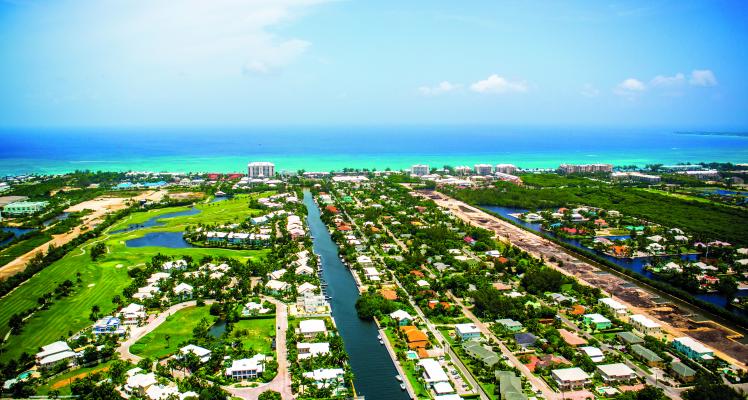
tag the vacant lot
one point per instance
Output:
(255, 333)
(177, 327)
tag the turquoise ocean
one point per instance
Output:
(24, 151)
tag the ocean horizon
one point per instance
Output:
(52, 151)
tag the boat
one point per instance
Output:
(379, 337)
(402, 386)
(381, 341)
(399, 378)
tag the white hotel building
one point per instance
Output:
(261, 169)
(419, 170)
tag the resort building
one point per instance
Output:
(419, 170)
(246, 368)
(635, 176)
(645, 325)
(570, 378)
(108, 325)
(483, 169)
(133, 314)
(55, 353)
(310, 328)
(463, 170)
(467, 331)
(616, 372)
(260, 169)
(693, 349)
(24, 207)
(510, 169)
(584, 168)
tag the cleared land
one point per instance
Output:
(103, 279)
(255, 333)
(179, 329)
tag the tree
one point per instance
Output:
(97, 251)
(269, 395)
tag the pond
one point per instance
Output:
(217, 329)
(634, 264)
(155, 220)
(61, 217)
(17, 232)
(172, 240)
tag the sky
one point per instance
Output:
(72, 63)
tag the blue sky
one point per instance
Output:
(679, 64)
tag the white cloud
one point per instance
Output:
(703, 77)
(275, 58)
(442, 87)
(498, 84)
(630, 88)
(589, 90)
(668, 81)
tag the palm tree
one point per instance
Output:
(167, 338)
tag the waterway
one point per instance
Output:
(17, 232)
(172, 240)
(371, 363)
(635, 264)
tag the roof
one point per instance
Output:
(644, 321)
(401, 315)
(323, 374)
(592, 351)
(245, 364)
(645, 353)
(443, 388)
(597, 318)
(414, 334)
(525, 338)
(433, 371)
(570, 374)
(196, 350)
(570, 338)
(694, 345)
(615, 370)
(630, 337)
(52, 348)
(463, 329)
(312, 326)
(682, 369)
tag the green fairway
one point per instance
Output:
(103, 279)
(255, 333)
(179, 329)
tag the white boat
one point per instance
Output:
(402, 386)
(399, 378)
(381, 341)
(379, 337)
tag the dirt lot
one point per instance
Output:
(676, 321)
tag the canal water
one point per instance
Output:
(634, 264)
(371, 363)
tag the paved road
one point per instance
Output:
(282, 381)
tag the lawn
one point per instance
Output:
(62, 382)
(18, 249)
(178, 326)
(256, 333)
(101, 280)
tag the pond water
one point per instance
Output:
(155, 220)
(217, 329)
(172, 240)
(374, 372)
(634, 264)
(62, 216)
(16, 233)
(219, 198)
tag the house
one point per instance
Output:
(693, 349)
(613, 306)
(597, 321)
(177, 265)
(108, 325)
(644, 325)
(616, 372)
(277, 274)
(326, 377)
(371, 274)
(133, 314)
(252, 308)
(525, 339)
(55, 353)
(510, 324)
(432, 371)
(467, 331)
(246, 368)
(571, 338)
(402, 317)
(137, 384)
(276, 287)
(304, 270)
(422, 283)
(629, 338)
(202, 353)
(648, 356)
(415, 338)
(510, 386)
(570, 378)
(310, 328)
(183, 291)
(306, 287)
(683, 372)
(307, 350)
(595, 354)
(312, 303)
(364, 261)
(476, 350)
(146, 292)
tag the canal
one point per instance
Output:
(371, 363)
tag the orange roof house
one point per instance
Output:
(388, 294)
(571, 338)
(344, 228)
(331, 208)
(619, 250)
(417, 273)
(577, 309)
(415, 337)
(432, 304)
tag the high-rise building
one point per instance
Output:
(483, 169)
(463, 170)
(419, 170)
(585, 168)
(510, 169)
(261, 169)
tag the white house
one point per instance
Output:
(133, 314)
(326, 377)
(432, 371)
(568, 378)
(371, 274)
(54, 353)
(277, 286)
(183, 291)
(467, 331)
(304, 270)
(615, 307)
(310, 328)
(202, 353)
(595, 354)
(246, 368)
(616, 372)
(138, 384)
(306, 287)
(177, 265)
(307, 350)
(644, 325)
(277, 274)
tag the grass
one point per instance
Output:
(18, 249)
(256, 333)
(178, 326)
(62, 382)
(101, 280)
